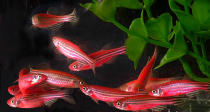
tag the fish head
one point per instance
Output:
(56, 41)
(35, 20)
(120, 105)
(78, 66)
(86, 89)
(13, 102)
(156, 92)
(13, 90)
(31, 79)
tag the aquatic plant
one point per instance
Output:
(192, 24)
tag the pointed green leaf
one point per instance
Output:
(105, 10)
(201, 11)
(204, 68)
(135, 45)
(204, 34)
(134, 49)
(159, 28)
(178, 49)
(131, 4)
(148, 3)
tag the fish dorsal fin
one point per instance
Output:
(23, 72)
(54, 29)
(53, 10)
(39, 66)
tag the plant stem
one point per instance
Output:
(189, 72)
(149, 14)
(186, 7)
(155, 42)
(203, 49)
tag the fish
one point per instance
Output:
(177, 87)
(140, 83)
(31, 83)
(106, 94)
(38, 99)
(101, 57)
(72, 51)
(14, 89)
(46, 20)
(59, 79)
(144, 102)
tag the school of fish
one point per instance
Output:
(42, 87)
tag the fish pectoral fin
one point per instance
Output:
(51, 102)
(109, 103)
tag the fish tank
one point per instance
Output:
(105, 55)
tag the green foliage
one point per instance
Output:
(135, 45)
(160, 27)
(160, 31)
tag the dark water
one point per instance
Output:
(22, 46)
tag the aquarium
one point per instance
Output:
(105, 55)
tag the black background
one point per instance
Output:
(23, 46)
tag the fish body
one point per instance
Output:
(142, 102)
(34, 100)
(144, 76)
(44, 20)
(72, 51)
(105, 93)
(59, 78)
(177, 87)
(101, 57)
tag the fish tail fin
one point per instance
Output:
(74, 17)
(68, 96)
(94, 69)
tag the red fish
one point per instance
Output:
(101, 57)
(140, 83)
(177, 87)
(106, 94)
(141, 102)
(14, 89)
(59, 78)
(31, 83)
(72, 51)
(44, 20)
(37, 100)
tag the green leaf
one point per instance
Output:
(160, 28)
(135, 45)
(134, 49)
(182, 2)
(178, 49)
(188, 22)
(148, 3)
(201, 11)
(204, 68)
(105, 10)
(131, 4)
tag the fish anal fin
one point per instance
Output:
(192, 94)
(95, 100)
(69, 99)
(158, 108)
(51, 102)
(54, 29)
(74, 18)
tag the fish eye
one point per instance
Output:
(74, 66)
(118, 103)
(81, 82)
(84, 88)
(154, 91)
(13, 89)
(12, 102)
